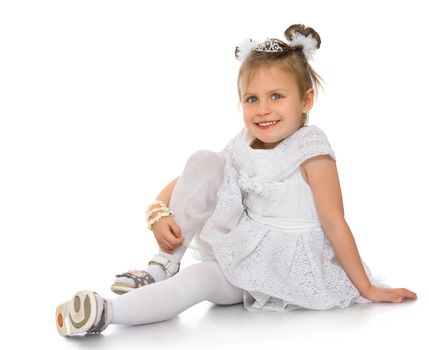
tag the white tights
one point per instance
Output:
(165, 299)
(198, 185)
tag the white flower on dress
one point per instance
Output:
(253, 184)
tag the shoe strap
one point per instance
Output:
(106, 318)
(140, 278)
(168, 266)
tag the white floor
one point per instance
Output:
(206, 326)
(28, 321)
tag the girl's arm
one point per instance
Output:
(166, 193)
(167, 232)
(322, 177)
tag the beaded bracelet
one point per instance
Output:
(164, 211)
(149, 212)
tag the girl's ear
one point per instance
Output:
(308, 100)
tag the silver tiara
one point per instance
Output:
(308, 43)
(268, 46)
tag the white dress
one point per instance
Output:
(252, 212)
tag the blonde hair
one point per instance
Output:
(291, 60)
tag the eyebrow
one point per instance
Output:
(271, 91)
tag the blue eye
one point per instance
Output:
(275, 94)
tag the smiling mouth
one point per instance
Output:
(266, 126)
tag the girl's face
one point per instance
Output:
(273, 95)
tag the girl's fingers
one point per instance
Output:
(408, 294)
(166, 249)
(178, 242)
(393, 295)
(175, 241)
(401, 293)
(175, 229)
(167, 244)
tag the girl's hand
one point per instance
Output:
(392, 295)
(167, 234)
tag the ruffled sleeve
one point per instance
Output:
(309, 142)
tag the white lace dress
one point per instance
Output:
(252, 211)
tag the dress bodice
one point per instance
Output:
(270, 180)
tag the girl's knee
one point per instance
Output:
(205, 275)
(206, 158)
(208, 270)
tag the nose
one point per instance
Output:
(263, 108)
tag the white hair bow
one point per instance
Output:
(243, 49)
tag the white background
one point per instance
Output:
(101, 104)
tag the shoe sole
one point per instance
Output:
(121, 289)
(77, 315)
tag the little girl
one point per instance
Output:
(266, 213)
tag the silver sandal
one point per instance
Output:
(140, 278)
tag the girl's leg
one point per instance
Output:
(192, 202)
(194, 197)
(166, 299)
